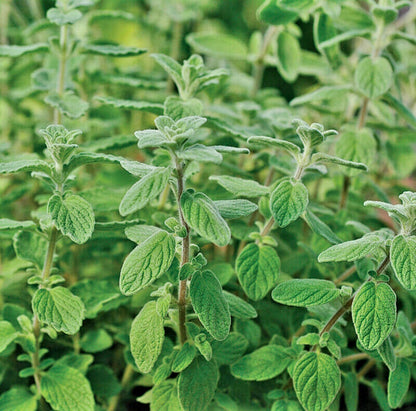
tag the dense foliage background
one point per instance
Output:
(284, 117)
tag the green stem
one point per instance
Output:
(60, 85)
(125, 379)
(353, 357)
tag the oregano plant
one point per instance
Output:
(207, 205)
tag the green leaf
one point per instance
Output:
(18, 399)
(380, 395)
(177, 108)
(387, 354)
(66, 389)
(403, 260)
(73, 216)
(235, 208)
(288, 56)
(218, 45)
(59, 308)
(197, 385)
(96, 341)
(17, 51)
(321, 94)
(31, 247)
(184, 357)
(374, 314)
(61, 17)
(373, 76)
(351, 391)
(352, 250)
(103, 381)
(401, 109)
(140, 233)
(317, 380)
(114, 50)
(328, 159)
(201, 153)
(7, 224)
(7, 335)
(231, 349)
(305, 292)
(81, 159)
(288, 202)
(165, 397)
(203, 216)
(281, 12)
(69, 104)
(172, 67)
(146, 337)
(150, 107)
(145, 190)
(398, 384)
(275, 142)
(19, 166)
(257, 268)
(320, 228)
(358, 146)
(241, 187)
(210, 304)
(239, 308)
(263, 364)
(147, 262)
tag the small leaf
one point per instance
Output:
(18, 399)
(30, 247)
(7, 224)
(374, 314)
(172, 67)
(328, 159)
(114, 50)
(398, 384)
(59, 308)
(288, 202)
(61, 17)
(165, 397)
(147, 262)
(96, 341)
(373, 76)
(231, 349)
(69, 104)
(201, 153)
(150, 138)
(403, 260)
(25, 166)
(351, 391)
(203, 216)
(305, 292)
(235, 208)
(257, 268)
(65, 388)
(81, 159)
(288, 56)
(239, 308)
(146, 337)
(147, 188)
(210, 304)
(263, 364)
(317, 380)
(275, 142)
(150, 107)
(17, 51)
(197, 385)
(184, 357)
(73, 216)
(387, 354)
(320, 228)
(7, 335)
(241, 187)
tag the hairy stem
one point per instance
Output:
(60, 84)
(353, 357)
(184, 258)
(125, 380)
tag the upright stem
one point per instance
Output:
(175, 50)
(184, 258)
(60, 85)
(47, 266)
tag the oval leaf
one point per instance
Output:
(403, 260)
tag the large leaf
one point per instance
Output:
(374, 314)
(263, 364)
(203, 216)
(197, 385)
(403, 260)
(288, 202)
(398, 384)
(165, 397)
(25, 166)
(147, 262)
(18, 399)
(59, 308)
(317, 380)
(147, 188)
(73, 216)
(66, 389)
(146, 337)
(257, 267)
(231, 349)
(210, 304)
(7, 224)
(305, 292)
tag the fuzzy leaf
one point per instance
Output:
(73, 216)
(66, 388)
(241, 187)
(403, 260)
(398, 384)
(7, 224)
(218, 44)
(288, 202)
(210, 304)
(374, 314)
(328, 159)
(150, 107)
(235, 208)
(147, 262)
(387, 354)
(146, 337)
(145, 190)
(114, 50)
(18, 399)
(17, 51)
(231, 349)
(305, 292)
(263, 364)
(239, 308)
(317, 380)
(31, 247)
(59, 308)
(288, 56)
(69, 104)
(197, 385)
(7, 334)
(320, 228)
(257, 268)
(275, 142)
(201, 153)
(203, 216)
(19, 166)
(184, 357)
(165, 397)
